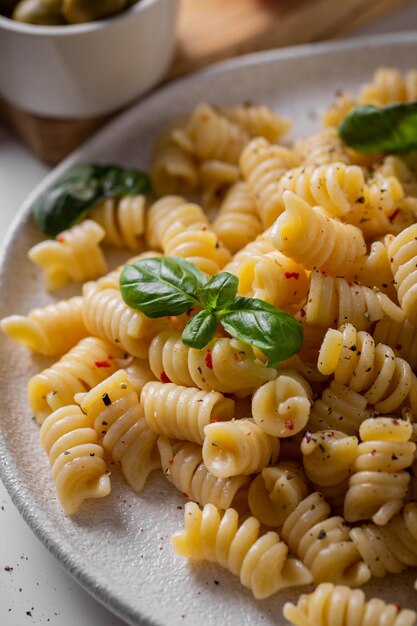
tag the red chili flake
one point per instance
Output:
(398, 607)
(164, 378)
(101, 364)
(209, 360)
(295, 275)
(170, 461)
(393, 215)
(185, 494)
(302, 313)
(110, 357)
(214, 421)
(398, 346)
(60, 239)
(289, 424)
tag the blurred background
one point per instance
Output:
(33, 587)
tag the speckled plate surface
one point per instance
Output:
(118, 548)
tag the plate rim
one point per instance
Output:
(34, 516)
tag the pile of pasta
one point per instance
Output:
(300, 473)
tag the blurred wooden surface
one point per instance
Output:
(209, 31)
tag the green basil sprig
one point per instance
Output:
(69, 199)
(381, 129)
(170, 286)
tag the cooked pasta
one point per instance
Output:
(51, 330)
(328, 457)
(225, 365)
(336, 187)
(307, 235)
(323, 148)
(75, 255)
(262, 562)
(216, 178)
(260, 121)
(281, 407)
(83, 367)
(238, 448)
(390, 548)
(182, 464)
(166, 212)
(339, 408)
(113, 408)
(331, 605)
(322, 543)
(263, 165)
(183, 412)
(276, 491)
(76, 458)
(237, 222)
(385, 380)
(337, 111)
(106, 315)
(378, 485)
(389, 87)
(401, 337)
(123, 220)
(402, 250)
(374, 270)
(335, 301)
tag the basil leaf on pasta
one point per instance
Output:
(117, 181)
(274, 332)
(392, 128)
(220, 290)
(200, 330)
(161, 286)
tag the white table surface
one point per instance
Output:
(34, 589)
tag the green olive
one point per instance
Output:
(79, 11)
(46, 12)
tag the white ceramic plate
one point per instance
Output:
(118, 548)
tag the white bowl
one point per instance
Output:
(86, 69)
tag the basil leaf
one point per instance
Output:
(71, 197)
(161, 286)
(385, 129)
(220, 290)
(117, 181)
(274, 332)
(200, 330)
(67, 201)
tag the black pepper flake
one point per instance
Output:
(29, 613)
(216, 582)
(8, 568)
(322, 534)
(67, 452)
(106, 399)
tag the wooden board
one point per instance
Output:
(209, 31)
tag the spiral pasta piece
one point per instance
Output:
(389, 87)
(310, 237)
(259, 121)
(323, 148)
(379, 484)
(374, 270)
(267, 274)
(402, 250)
(262, 563)
(322, 543)
(331, 605)
(83, 367)
(113, 408)
(182, 464)
(339, 408)
(385, 380)
(400, 336)
(78, 468)
(262, 166)
(391, 548)
(51, 330)
(106, 315)
(281, 407)
(183, 412)
(276, 492)
(172, 169)
(336, 187)
(123, 220)
(334, 301)
(237, 221)
(238, 448)
(225, 365)
(75, 255)
(168, 211)
(213, 136)
(337, 111)
(216, 178)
